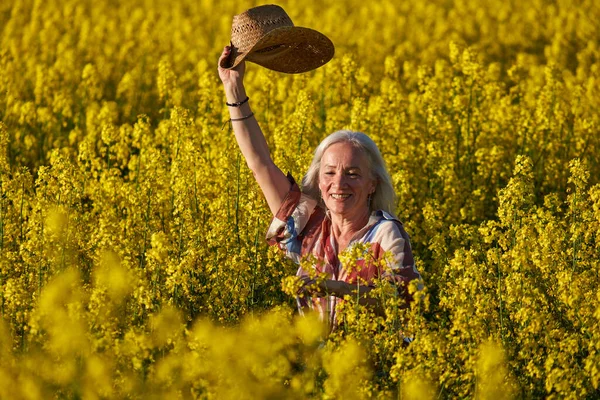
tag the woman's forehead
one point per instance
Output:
(344, 154)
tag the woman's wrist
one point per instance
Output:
(235, 93)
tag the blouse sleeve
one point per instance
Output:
(290, 220)
(392, 238)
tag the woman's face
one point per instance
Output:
(345, 180)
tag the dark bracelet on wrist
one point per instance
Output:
(230, 120)
(242, 118)
(239, 103)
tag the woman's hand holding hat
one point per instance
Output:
(233, 75)
(232, 78)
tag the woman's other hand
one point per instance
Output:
(234, 76)
(313, 287)
(322, 287)
(329, 287)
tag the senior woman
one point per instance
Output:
(346, 198)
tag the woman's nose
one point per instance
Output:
(338, 180)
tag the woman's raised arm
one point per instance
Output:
(273, 183)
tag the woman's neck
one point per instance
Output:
(345, 228)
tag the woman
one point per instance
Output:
(347, 199)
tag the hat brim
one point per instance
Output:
(290, 49)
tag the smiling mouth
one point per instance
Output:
(340, 196)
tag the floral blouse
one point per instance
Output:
(302, 228)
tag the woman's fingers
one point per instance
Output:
(315, 287)
(307, 280)
(306, 283)
(230, 74)
(224, 54)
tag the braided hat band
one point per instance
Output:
(267, 36)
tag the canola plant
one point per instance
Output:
(132, 254)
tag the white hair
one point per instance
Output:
(384, 197)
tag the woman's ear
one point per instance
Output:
(374, 183)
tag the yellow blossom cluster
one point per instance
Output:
(132, 254)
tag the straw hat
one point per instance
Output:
(266, 36)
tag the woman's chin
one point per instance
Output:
(345, 210)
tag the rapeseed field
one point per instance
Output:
(132, 255)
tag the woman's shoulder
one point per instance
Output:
(391, 236)
(387, 221)
(387, 229)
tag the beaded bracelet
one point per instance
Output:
(239, 103)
